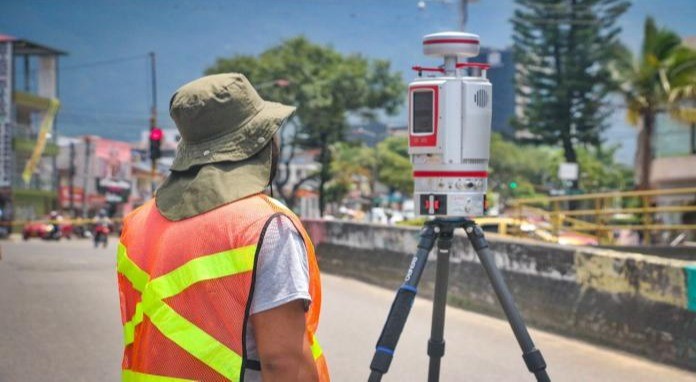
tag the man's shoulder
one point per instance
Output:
(137, 213)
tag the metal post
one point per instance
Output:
(463, 14)
(27, 72)
(71, 179)
(450, 65)
(85, 175)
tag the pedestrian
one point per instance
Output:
(217, 281)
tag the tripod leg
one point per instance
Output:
(401, 307)
(436, 344)
(531, 355)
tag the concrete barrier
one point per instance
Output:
(638, 303)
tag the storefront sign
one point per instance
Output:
(114, 190)
(78, 197)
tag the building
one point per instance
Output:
(397, 131)
(674, 161)
(369, 133)
(95, 173)
(299, 170)
(674, 149)
(502, 77)
(28, 107)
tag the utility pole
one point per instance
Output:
(463, 9)
(153, 122)
(463, 14)
(71, 179)
(85, 179)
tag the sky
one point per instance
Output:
(113, 99)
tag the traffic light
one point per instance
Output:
(155, 143)
(513, 185)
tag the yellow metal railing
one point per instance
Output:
(602, 214)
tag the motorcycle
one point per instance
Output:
(101, 234)
(53, 232)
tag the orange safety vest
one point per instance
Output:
(186, 289)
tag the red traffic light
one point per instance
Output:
(156, 134)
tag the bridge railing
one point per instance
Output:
(649, 212)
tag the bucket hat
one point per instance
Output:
(224, 154)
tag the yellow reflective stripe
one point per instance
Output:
(171, 324)
(134, 376)
(316, 349)
(203, 268)
(129, 327)
(132, 271)
(193, 339)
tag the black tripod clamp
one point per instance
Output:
(442, 230)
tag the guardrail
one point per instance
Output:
(18, 225)
(602, 214)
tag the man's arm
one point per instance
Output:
(282, 343)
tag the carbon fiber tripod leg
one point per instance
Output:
(401, 306)
(531, 355)
(436, 343)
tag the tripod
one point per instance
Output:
(442, 229)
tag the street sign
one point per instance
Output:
(568, 171)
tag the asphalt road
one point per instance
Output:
(59, 321)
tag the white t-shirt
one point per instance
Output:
(282, 275)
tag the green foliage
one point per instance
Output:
(388, 164)
(513, 162)
(562, 49)
(395, 170)
(350, 164)
(324, 84)
(535, 169)
(661, 78)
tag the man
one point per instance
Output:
(217, 280)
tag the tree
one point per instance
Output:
(656, 81)
(326, 86)
(388, 164)
(525, 166)
(534, 169)
(394, 165)
(351, 164)
(562, 49)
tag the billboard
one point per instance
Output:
(78, 196)
(113, 170)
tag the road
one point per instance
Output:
(59, 321)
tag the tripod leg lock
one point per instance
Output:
(535, 362)
(436, 348)
(382, 359)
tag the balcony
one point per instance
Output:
(675, 171)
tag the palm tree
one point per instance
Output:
(661, 79)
